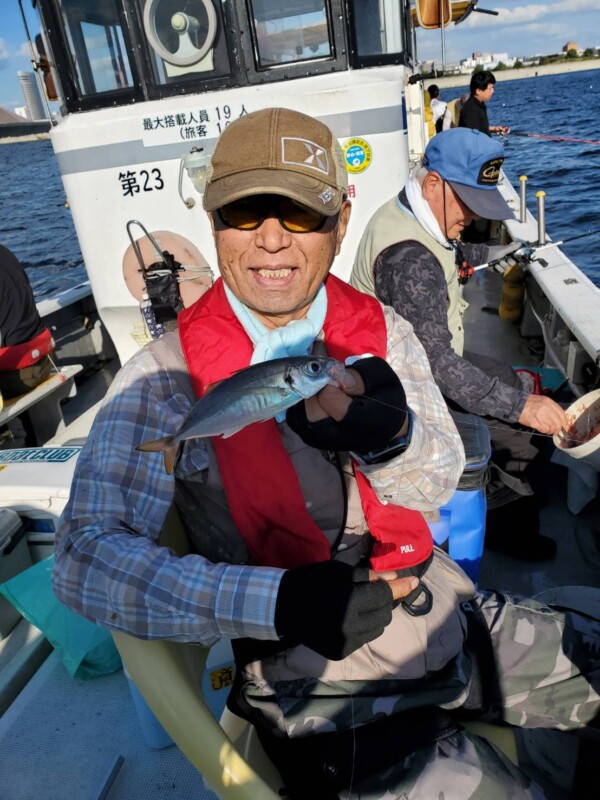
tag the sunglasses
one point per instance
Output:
(249, 213)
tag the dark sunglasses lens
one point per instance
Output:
(298, 218)
(245, 214)
(249, 213)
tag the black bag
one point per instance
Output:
(320, 766)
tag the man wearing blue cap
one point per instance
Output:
(410, 257)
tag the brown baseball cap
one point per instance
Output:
(278, 151)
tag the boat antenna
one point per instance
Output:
(36, 65)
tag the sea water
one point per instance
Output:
(566, 105)
(36, 224)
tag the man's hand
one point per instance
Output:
(334, 608)
(503, 129)
(333, 401)
(543, 414)
(366, 413)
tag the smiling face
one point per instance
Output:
(451, 213)
(274, 272)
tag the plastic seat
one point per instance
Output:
(184, 714)
(231, 761)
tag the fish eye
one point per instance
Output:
(314, 367)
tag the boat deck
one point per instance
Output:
(578, 537)
(62, 737)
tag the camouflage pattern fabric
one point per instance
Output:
(548, 661)
(460, 767)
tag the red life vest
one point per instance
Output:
(18, 356)
(262, 488)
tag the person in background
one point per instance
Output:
(25, 342)
(438, 107)
(473, 114)
(346, 670)
(452, 112)
(409, 258)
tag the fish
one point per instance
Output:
(254, 394)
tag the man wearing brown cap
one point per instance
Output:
(309, 545)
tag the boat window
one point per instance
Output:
(95, 39)
(186, 39)
(288, 33)
(377, 27)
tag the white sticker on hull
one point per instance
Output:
(189, 125)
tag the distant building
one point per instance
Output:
(572, 46)
(485, 60)
(435, 67)
(31, 94)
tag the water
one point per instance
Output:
(34, 221)
(555, 105)
(37, 227)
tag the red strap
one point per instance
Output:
(18, 356)
(261, 485)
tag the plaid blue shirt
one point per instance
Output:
(109, 566)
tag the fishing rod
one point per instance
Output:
(564, 435)
(529, 249)
(553, 138)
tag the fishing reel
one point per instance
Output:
(465, 270)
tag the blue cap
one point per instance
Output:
(470, 161)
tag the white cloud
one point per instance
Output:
(520, 29)
(571, 6)
(553, 30)
(9, 51)
(529, 13)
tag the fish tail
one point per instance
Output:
(167, 445)
(156, 445)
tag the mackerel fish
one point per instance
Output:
(255, 394)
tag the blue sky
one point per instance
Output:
(14, 51)
(523, 27)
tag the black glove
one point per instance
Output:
(332, 608)
(371, 420)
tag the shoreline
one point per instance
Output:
(451, 81)
(28, 137)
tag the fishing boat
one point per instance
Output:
(146, 87)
